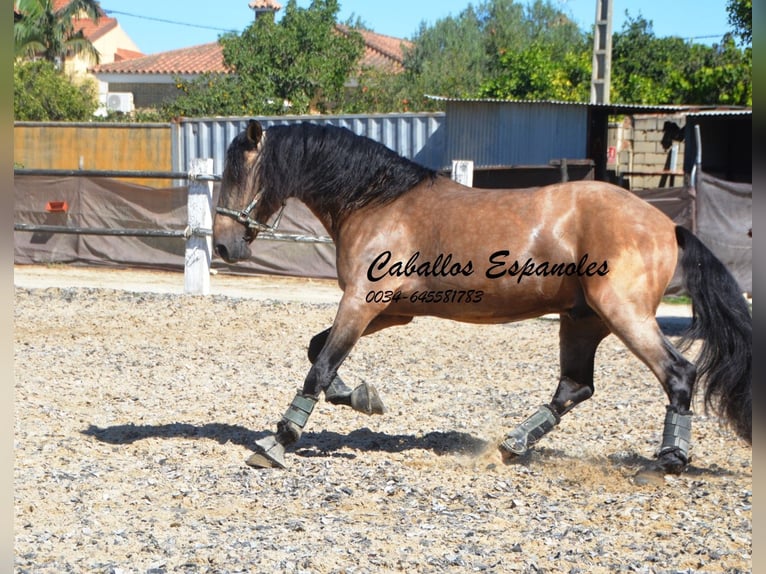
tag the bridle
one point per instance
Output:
(251, 224)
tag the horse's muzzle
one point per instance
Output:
(233, 252)
(229, 240)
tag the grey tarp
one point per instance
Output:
(721, 216)
(725, 224)
(113, 204)
(723, 221)
(675, 202)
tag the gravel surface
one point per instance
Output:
(135, 412)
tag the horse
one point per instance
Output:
(412, 242)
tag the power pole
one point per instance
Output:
(602, 53)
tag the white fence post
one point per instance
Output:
(199, 245)
(462, 171)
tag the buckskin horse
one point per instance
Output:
(411, 242)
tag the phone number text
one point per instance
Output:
(445, 296)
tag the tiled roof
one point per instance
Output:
(93, 31)
(380, 51)
(383, 52)
(90, 29)
(122, 54)
(388, 45)
(59, 4)
(205, 58)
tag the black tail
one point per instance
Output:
(723, 321)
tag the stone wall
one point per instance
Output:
(640, 158)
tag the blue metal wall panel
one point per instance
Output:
(514, 134)
(419, 137)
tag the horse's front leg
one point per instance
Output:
(350, 324)
(364, 397)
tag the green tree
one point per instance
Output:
(651, 70)
(448, 59)
(645, 68)
(541, 55)
(741, 19)
(721, 74)
(43, 32)
(501, 49)
(497, 48)
(512, 27)
(213, 95)
(534, 73)
(294, 66)
(43, 93)
(503, 27)
(382, 92)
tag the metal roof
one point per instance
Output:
(612, 108)
(722, 112)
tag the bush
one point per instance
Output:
(42, 93)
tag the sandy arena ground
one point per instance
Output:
(136, 407)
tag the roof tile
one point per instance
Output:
(90, 29)
(382, 52)
(93, 31)
(205, 58)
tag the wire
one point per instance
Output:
(175, 22)
(705, 37)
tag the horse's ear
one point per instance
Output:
(254, 131)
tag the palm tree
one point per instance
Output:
(40, 31)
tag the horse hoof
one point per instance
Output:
(510, 450)
(507, 456)
(365, 399)
(672, 461)
(515, 445)
(270, 454)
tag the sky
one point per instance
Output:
(162, 25)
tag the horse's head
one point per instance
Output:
(241, 204)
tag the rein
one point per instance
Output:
(251, 224)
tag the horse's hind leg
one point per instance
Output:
(677, 376)
(579, 337)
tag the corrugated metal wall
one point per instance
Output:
(97, 145)
(419, 137)
(512, 134)
(488, 133)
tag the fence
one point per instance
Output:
(94, 145)
(417, 136)
(197, 232)
(76, 206)
(722, 220)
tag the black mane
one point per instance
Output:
(332, 169)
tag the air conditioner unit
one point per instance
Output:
(119, 102)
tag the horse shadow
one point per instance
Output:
(647, 471)
(219, 432)
(312, 444)
(328, 444)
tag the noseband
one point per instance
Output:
(251, 224)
